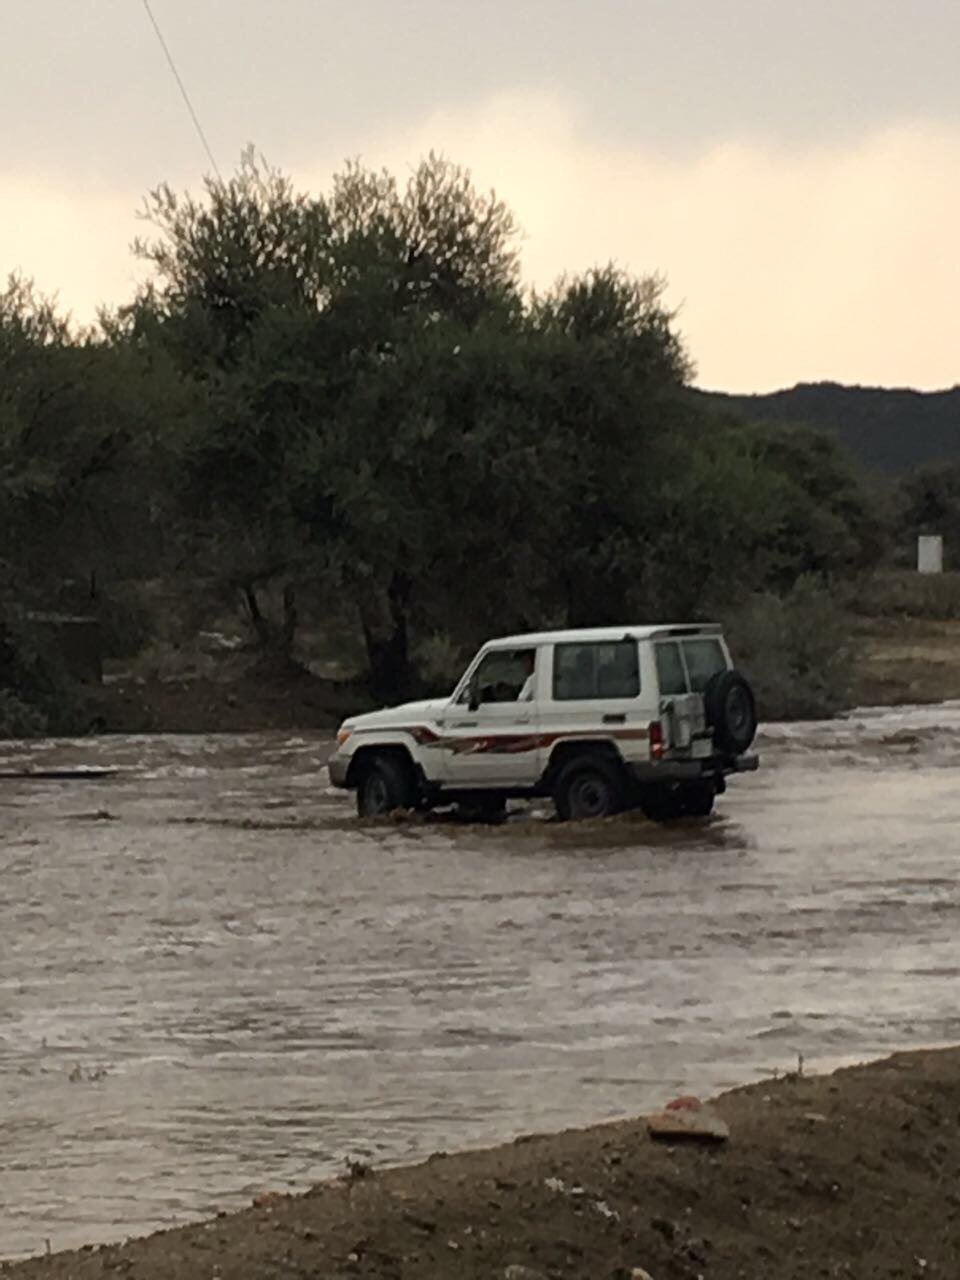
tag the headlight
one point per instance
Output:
(343, 735)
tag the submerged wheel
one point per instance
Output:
(484, 808)
(683, 800)
(697, 799)
(386, 784)
(589, 787)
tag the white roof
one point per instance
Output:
(599, 635)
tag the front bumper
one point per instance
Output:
(690, 770)
(337, 767)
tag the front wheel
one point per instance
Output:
(385, 785)
(588, 788)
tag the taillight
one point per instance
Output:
(656, 740)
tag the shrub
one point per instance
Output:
(18, 719)
(126, 622)
(797, 651)
(37, 695)
(908, 594)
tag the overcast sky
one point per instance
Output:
(791, 166)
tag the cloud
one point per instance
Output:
(786, 264)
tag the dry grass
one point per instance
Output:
(907, 660)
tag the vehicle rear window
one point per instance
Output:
(596, 670)
(705, 657)
(671, 674)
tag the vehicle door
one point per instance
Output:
(595, 692)
(490, 732)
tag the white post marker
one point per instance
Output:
(930, 554)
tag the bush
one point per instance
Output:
(796, 650)
(18, 719)
(440, 662)
(908, 594)
(36, 694)
(126, 622)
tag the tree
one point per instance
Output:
(75, 414)
(614, 406)
(291, 312)
(930, 503)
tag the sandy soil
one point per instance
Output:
(909, 661)
(850, 1175)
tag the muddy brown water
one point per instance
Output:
(213, 980)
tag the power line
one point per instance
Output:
(183, 89)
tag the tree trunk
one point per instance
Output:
(383, 615)
(275, 639)
(291, 617)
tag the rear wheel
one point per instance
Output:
(697, 800)
(386, 784)
(589, 787)
(683, 800)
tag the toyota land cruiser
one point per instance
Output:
(600, 720)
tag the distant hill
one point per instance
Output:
(890, 431)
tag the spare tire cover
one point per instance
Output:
(731, 712)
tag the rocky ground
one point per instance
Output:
(851, 1175)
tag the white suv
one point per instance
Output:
(601, 720)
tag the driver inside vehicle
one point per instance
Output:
(503, 676)
(529, 660)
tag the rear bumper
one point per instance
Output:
(691, 770)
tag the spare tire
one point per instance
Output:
(731, 712)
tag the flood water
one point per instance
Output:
(214, 981)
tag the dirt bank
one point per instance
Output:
(905, 661)
(234, 701)
(908, 660)
(852, 1175)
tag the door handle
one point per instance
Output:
(621, 719)
(465, 724)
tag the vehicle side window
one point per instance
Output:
(671, 674)
(596, 670)
(501, 675)
(704, 659)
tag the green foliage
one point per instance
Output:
(18, 719)
(344, 405)
(36, 695)
(930, 504)
(797, 650)
(904, 593)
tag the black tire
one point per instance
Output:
(386, 784)
(682, 800)
(697, 799)
(589, 787)
(485, 808)
(731, 712)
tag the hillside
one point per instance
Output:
(890, 431)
